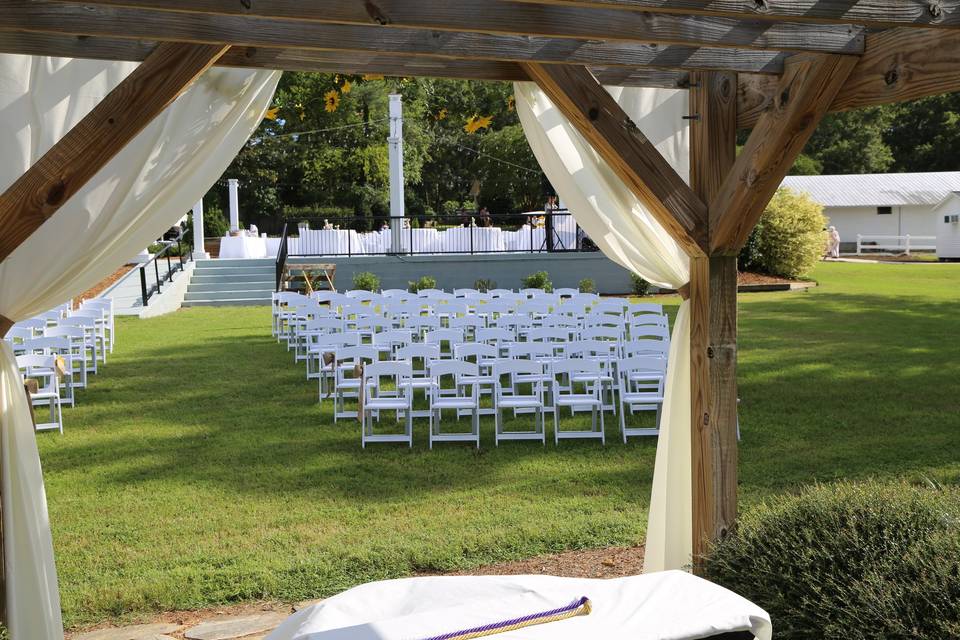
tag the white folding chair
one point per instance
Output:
(646, 347)
(468, 324)
(509, 394)
(387, 342)
(497, 337)
(463, 293)
(583, 389)
(641, 382)
(325, 348)
(79, 349)
(420, 325)
(350, 362)
(419, 355)
(485, 356)
(104, 305)
(446, 339)
(309, 335)
(454, 387)
(385, 389)
(62, 347)
(91, 338)
(99, 328)
(566, 292)
(43, 369)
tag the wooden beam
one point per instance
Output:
(713, 295)
(898, 65)
(872, 13)
(809, 86)
(98, 137)
(321, 61)
(270, 33)
(485, 16)
(611, 132)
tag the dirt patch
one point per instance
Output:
(613, 562)
(104, 284)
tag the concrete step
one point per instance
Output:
(250, 285)
(240, 302)
(231, 278)
(236, 271)
(235, 294)
(238, 262)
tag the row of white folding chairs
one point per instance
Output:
(79, 337)
(518, 385)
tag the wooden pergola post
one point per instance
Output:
(713, 319)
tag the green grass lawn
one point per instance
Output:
(198, 468)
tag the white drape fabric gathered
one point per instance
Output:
(137, 196)
(627, 233)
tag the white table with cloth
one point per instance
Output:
(242, 247)
(327, 242)
(667, 605)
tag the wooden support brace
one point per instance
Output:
(804, 94)
(98, 137)
(611, 132)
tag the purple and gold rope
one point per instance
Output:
(579, 607)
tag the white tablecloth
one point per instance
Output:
(242, 247)
(272, 246)
(669, 605)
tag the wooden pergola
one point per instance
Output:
(773, 66)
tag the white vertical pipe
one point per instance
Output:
(198, 251)
(232, 185)
(395, 146)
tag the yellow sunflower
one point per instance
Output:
(271, 113)
(373, 76)
(442, 114)
(511, 103)
(331, 100)
(476, 122)
(345, 89)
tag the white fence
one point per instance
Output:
(900, 244)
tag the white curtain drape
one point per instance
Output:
(628, 234)
(137, 196)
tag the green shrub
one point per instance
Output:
(788, 241)
(640, 286)
(853, 561)
(215, 226)
(587, 286)
(366, 281)
(484, 285)
(425, 282)
(538, 280)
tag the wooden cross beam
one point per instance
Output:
(898, 65)
(804, 93)
(242, 31)
(872, 13)
(98, 137)
(611, 132)
(485, 16)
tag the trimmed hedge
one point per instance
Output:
(854, 561)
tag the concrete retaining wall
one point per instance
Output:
(461, 271)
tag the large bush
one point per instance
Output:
(853, 561)
(215, 226)
(538, 280)
(366, 281)
(788, 241)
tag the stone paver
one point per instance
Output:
(136, 632)
(239, 627)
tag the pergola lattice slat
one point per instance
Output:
(118, 23)
(499, 17)
(873, 13)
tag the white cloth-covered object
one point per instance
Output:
(628, 234)
(669, 605)
(137, 196)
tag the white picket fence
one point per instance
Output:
(899, 244)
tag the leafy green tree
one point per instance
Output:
(924, 135)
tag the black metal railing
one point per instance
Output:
(464, 233)
(159, 276)
(281, 255)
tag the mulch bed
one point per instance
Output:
(745, 277)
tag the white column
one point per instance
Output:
(232, 185)
(198, 251)
(395, 146)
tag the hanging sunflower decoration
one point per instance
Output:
(442, 114)
(511, 103)
(331, 100)
(476, 122)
